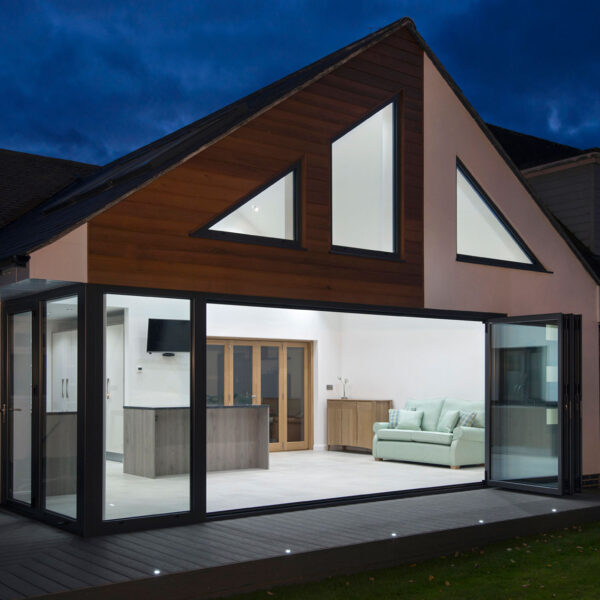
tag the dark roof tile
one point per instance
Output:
(528, 151)
(26, 180)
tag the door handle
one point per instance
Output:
(62, 387)
(107, 387)
(67, 387)
(5, 409)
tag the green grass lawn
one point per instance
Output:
(562, 564)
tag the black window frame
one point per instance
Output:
(395, 254)
(535, 264)
(207, 233)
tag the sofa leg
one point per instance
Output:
(378, 459)
(454, 467)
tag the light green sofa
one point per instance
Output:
(464, 446)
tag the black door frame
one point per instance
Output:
(36, 304)
(569, 403)
(93, 523)
(91, 404)
(91, 517)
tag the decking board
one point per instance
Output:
(229, 556)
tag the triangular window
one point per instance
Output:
(269, 215)
(363, 186)
(482, 232)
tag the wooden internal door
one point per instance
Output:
(272, 372)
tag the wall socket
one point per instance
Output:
(329, 387)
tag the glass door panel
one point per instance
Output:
(529, 366)
(270, 389)
(147, 428)
(59, 410)
(295, 394)
(215, 374)
(19, 409)
(243, 393)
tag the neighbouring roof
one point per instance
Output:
(81, 200)
(528, 151)
(26, 180)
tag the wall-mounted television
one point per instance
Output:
(168, 335)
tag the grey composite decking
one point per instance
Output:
(225, 557)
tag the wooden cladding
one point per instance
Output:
(144, 239)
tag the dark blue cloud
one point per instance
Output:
(93, 80)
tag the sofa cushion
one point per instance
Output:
(405, 419)
(432, 437)
(396, 435)
(431, 411)
(466, 419)
(456, 404)
(448, 421)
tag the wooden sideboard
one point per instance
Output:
(350, 422)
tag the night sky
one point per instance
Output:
(91, 80)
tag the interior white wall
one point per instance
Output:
(401, 358)
(162, 381)
(383, 357)
(322, 328)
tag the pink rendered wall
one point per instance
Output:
(62, 260)
(450, 132)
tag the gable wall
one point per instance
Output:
(144, 240)
(450, 131)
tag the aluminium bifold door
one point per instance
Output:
(533, 400)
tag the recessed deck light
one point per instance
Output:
(288, 551)
(394, 534)
(481, 521)
(554, 510)
(157, 571)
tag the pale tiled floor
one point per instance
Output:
(315, 475)
(291, 477)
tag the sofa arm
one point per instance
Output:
(380, 425)
(469, 434)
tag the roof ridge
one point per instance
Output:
(130, 165)
(257, 93)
